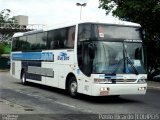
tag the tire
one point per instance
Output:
(23, 78)
(72, 87)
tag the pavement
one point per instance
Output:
(7, 107)
(5, 70)
(153, 85)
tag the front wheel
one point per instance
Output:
(72, 87)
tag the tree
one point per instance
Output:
(2, 47)
(145, 12)
(6, 18)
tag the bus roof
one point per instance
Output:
(110, 22)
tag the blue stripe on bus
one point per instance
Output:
(43, 56)
(112, 76)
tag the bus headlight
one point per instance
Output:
(141, 80)
(142, 88)
(106, 80)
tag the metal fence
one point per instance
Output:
(6, 37)
(16, 26)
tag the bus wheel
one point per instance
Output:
(23, 78)
(72, 87)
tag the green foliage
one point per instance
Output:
(5, 17)
(5, 48)
(2, 47)
(145, 12)
(7, 20)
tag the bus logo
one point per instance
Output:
(63, 56)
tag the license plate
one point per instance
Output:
(103, 93)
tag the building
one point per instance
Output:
(22, 20)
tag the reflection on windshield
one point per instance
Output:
(110, 58)
(135, 56)
(107, 57)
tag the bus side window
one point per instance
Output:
(71, 37)
(56, 43)
(32, 42)
(15, 44)
(22, 43)
(84, 32)
(62, 38)
(41, 41)
(50, 38)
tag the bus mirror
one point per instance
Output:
(143, 32)
(91, 48)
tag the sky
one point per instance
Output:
(50, 12)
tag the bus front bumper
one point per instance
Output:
(118, 89)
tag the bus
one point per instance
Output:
(95, 58)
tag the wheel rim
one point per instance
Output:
(23, 78)
(73, 87)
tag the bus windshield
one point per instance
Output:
(118, 58)
(116, 50)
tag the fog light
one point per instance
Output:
(142, 88)
(104, 89)
(101, 89)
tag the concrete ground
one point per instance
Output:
(34, 101)
(8, 107)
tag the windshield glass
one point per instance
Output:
(104, 32)
(135, 56)
(118, 54)
(118, 58)
(108, 56)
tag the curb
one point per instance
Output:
(4, 70)
(153, 87)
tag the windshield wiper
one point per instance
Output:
(134, 68)
(129, 61)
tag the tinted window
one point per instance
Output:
(84, 32)
(71, 37)
(15, 44)
(117, 32)
(61, 38)
(41, 41)
(55, 39)
(23, 43)
(52, 42)
(31, 39)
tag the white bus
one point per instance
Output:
(88, 57)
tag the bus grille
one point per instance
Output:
(124, 80)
